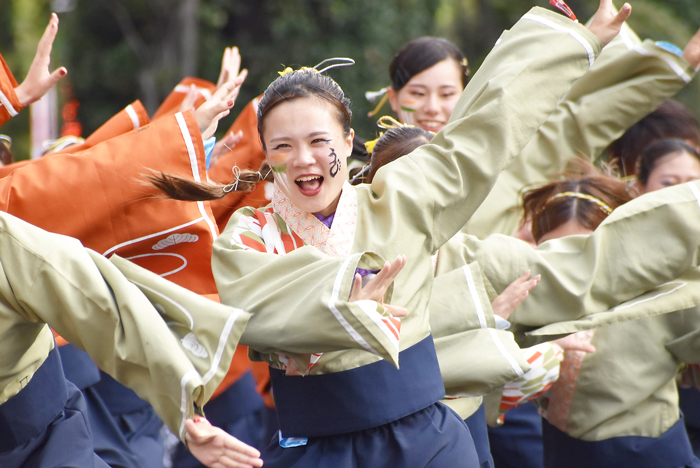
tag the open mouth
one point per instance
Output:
(309, 185)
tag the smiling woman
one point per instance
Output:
(308, 154)
(351, 408)
(427, 77)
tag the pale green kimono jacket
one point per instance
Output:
(629, 80)
(117, 312)
(415, 204)
(641, 262)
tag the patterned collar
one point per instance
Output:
(336, 241)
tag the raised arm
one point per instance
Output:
(47, 278)
(641, 261)
(515, 90)
(38, 81)
(628, 81)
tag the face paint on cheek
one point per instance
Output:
(335, 164)
(406, 113)
(278, 163)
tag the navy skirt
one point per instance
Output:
(45, 425)
(435, 437)
(479, 431)
(374, 415)
(518, 442)
(670, 450)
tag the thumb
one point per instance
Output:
(196, 432)
(57, 76)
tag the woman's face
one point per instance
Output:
(429, 97)
(307, 150)
(673, 169)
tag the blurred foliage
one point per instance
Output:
(117, 51)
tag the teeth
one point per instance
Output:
(431, 123)
(307, 178)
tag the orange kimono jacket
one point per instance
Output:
(9, 104)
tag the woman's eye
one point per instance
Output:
(668, 183)
(281, 146)
(320, 140)
(448, 95)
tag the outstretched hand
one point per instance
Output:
(514, 295)
(375, 288)
(218, 107)
(607, 22)
(39, 80)
(217, 449)
(230, 66)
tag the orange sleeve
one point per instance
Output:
(248, 154)
(99, 197)
(130, 118)
(9, 104)
(171, 105)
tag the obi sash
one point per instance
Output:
(359, 398)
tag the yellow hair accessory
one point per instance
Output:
(285, 71)
(369, 145)
(584, 196)
(386, 122)
(340, 62)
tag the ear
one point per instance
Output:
(348, 142)
(393, 99)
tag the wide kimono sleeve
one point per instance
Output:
(686, 345)
(628, 81)
(99, 196)
(299, 299)
(475, 357)
(440, 185)
(171, 105)
(130, 118)
(9, 104)
(641, 261)
(171, 346)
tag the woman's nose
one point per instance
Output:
(303, 157)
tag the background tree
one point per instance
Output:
(121, 50)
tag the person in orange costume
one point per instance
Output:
(111, 189)
(236, 406)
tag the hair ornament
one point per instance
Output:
(372, 96)
(387, 122)
(584, 196)
(233, 186)
(340, 62)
